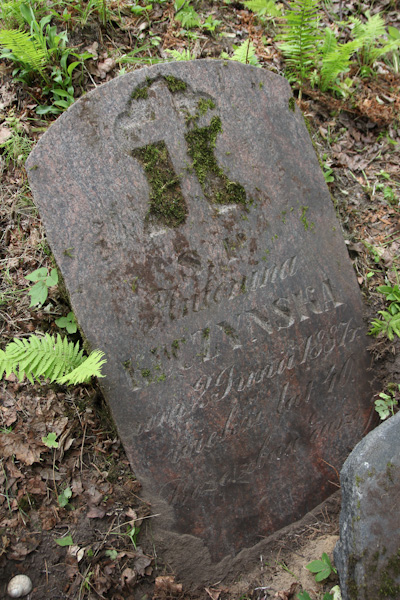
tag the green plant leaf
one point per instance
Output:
(64, 497)
(323, 574)
(38, 293)
(315, 566)
(65, 541)
(52, 279)
(38, 275)
(68, 322)
(303, 595)
(50, 440)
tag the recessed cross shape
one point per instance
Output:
(194, 127)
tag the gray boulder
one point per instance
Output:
(367, 555)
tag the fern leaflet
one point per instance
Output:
(263, 7)
(188, 17)
(246, 54)
(91, 367)
(300, 39)
(336, 61)
(24, 49)
(49, 357)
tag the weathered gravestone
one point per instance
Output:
(368, 554)
(189, 216)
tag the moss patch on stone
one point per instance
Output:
(167, 204)
(216, 185)
(174, 84)
(140, 93)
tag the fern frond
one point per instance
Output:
(5, 365)
(301, 39)
(10, 14)
(91, 367)
(246, 54)
(185, 54)
(188, 17)
(330, 42)
(335, 62)
(24, 49)
(369, 31)
(49, 357)
(263, 7)
(369, 35)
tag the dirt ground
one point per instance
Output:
(103, 517)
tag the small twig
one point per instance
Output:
(54, 473)
(82, 445)
(334, 468)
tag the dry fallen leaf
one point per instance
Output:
(214, 594)
(141, 562)
(165, 585)
(95, 512)
(128, 576)
(26, 448)
(5, 134)
(106, 66)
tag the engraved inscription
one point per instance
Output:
(216, 289)
(250, 327)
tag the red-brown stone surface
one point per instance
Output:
(237, 369)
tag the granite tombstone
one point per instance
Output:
(187, 211)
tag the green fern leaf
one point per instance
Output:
(335, 62)
(91, 367)
(369, 31)
(263, 7)
(330, 44)
(51, 358)
(5, 365)
(181, 55)
(301, 39)
(188, 17)
(24, 49)
(246, 54)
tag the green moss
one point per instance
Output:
(203, 106)
(146, 373)
(167, 204)
(216, 185)
(292, 104)
(140, 93)
(351, 583)
(174, 84)
(304, 219)
(388, 587)
(206, 333)
(389, 471)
